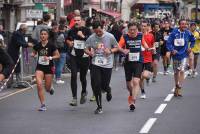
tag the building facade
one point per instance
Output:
(13, 11)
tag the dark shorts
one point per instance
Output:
(147, 66)
(46, 69)
(132, 69)
(196, 54)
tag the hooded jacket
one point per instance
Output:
(180, 41)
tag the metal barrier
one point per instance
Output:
(22, 82)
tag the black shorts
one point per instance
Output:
(46, 69)
(196, 54)
(147, 66)
(132, 69)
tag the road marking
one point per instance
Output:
(169, 97)
(145, 129)
(17, 92)
(160, 109)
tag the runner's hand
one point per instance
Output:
(189, 50)
(91, 52)
(107, 51)
(174, 52)
(126, 51)
(80, 33)
(46, 58)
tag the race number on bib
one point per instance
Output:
(156, 44)
(179, 42)
(42, 61)
(78, 44)
(100, 60)
(134, 56)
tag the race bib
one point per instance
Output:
(134, 56)
(78, 44)
(100, 60)
(42, 61)
(179, 42)
(156, 44)
(166, 37)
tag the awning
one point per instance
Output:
(147, 2)
(113, 14)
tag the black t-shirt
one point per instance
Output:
(72, 35)
(47, 50)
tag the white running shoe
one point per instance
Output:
(60, 82)
(143, 96)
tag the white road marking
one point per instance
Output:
(169, 97)
(17, 92)
(160, 109)
(145, 129)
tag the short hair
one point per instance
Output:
(77, 12)
(97, 24)
(44, 30)
(179, 22)
(22, 26)
(132, 24)
(192, 24)
(46, 17)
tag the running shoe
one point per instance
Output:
(154, 79)
(143, 96)
(60, 82)
(73, 102)
(109, 96)
(83, 98)
(194, 74)
(166, 73)
(42, 108)
(98, 111)
(92, 98)
(132, 107)
(178, 92)
(51, 91)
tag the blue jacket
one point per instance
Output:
(187, 36)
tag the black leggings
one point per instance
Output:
(78, 64)
(100, 80)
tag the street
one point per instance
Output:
(160, 113)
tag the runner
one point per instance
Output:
(148, 43)
(46, 52)
(130, 45)
(156, 55)
(100, 46)
(178, 45)
(196, 48)
(78, 59)
(164, 52)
